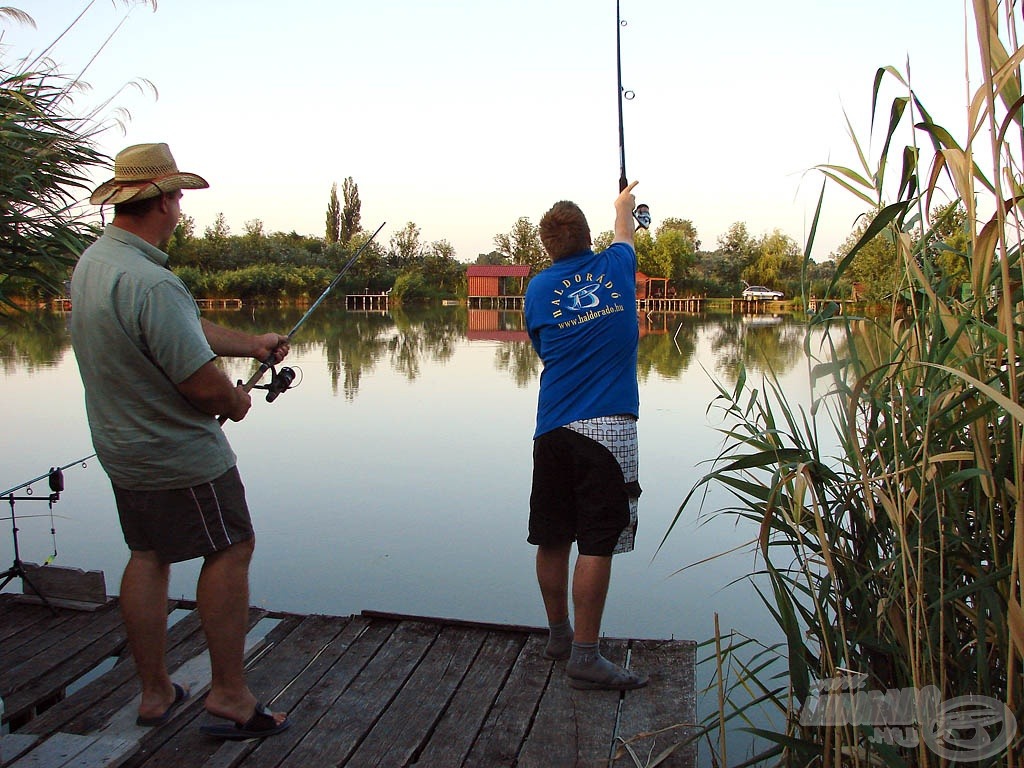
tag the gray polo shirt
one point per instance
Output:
(136, 333)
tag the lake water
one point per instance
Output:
(396, 475)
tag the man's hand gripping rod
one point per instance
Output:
(268, 364)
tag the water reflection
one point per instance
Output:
(756, 343)
(356, 343)
(31, 341)
(397, 474)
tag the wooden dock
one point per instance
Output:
(690, 304)
(496, 302)
(756, 306)
(219, 303)
(367, 301)
(364, 690)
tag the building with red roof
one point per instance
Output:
(496, 285)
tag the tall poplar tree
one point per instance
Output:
(333, 233)
(350, 223)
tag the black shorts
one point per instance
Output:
(579, 493)
(185, 523)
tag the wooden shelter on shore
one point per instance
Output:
(497, 286)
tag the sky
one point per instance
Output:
(462, 117)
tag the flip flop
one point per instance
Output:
(260, 725)
(180, 696)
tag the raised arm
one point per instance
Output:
(624, 205)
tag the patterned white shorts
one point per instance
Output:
(618, 435)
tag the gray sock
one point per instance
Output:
(559, 640)
(589, 670)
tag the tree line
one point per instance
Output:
(255, 264)
(48, 151)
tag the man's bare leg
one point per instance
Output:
(222, 597)
(143, 602)
(590, 580)
(553, 578)
(587, 668)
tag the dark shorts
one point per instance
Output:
(185, 523)
(579, 493)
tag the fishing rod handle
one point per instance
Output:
(252, 382)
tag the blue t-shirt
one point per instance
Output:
(581, 317)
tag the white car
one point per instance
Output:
(760, 292)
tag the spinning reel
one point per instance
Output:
(280, 381)
(642, 214)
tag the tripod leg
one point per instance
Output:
(28, 582)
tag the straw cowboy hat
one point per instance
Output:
(142, 171)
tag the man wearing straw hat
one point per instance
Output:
(153, 394)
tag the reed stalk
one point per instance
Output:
(48, 149)
(889, 509)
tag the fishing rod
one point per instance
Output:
(56, 479)
(55, 475)
(642, 214)
(282, 380)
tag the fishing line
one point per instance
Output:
(642, 214)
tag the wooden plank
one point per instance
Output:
(450, 622)
(194, 674)
(367, 690)
(509, 720)
(53, 644)
(341, 728)
(93, 705)
(574, 727)
(14, 745)
(596, 715)
(406, 725)
(55, 752)
(69, 750)
(661, 715)
(25, 624)
(113, 717)
(313, 693)
(32, 689)
(105, 752)
(178, 743)
(16, 618)
(294, 662)
(59, 583)
(455, 734)
(58, 603)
